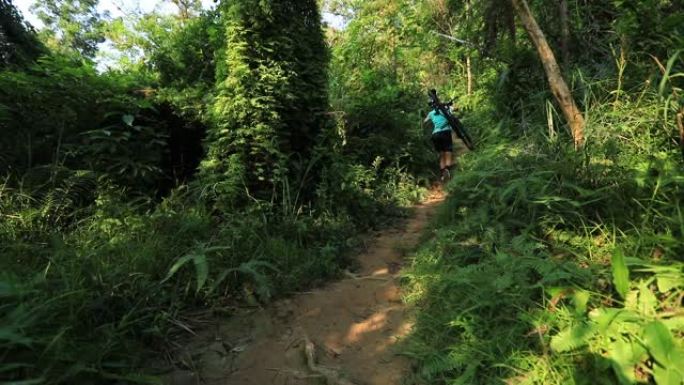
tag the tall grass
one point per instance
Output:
(551, 266)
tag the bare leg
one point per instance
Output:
(445, 160)
(445, 163)
(448, 159)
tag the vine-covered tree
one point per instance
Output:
(271, 92)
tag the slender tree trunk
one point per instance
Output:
(469, 74)
(680, 125)
(565, 32)
(469, 71)
(558, 86)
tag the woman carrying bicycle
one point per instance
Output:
(441, 138)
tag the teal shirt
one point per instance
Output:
(439, 122)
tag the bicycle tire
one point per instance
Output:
(461, 132)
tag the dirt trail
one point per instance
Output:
(350, 326)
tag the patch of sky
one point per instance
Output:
(107, 57)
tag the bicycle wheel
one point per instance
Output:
(461, 132)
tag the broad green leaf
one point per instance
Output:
(128, 119)
(623, 358)
(667, 376)
(674, 323)
(647, 300)
(668, 282)
(632, 300)
(605, 318)
(202, 270)
(468, 375)
(554, 291)
(659, 342)
(580, 298)
(176, 266)
(666, 76)
(620, 273)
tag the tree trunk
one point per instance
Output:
(558, 86)
(565, 32)
(469, 71)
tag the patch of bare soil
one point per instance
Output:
(342, 334)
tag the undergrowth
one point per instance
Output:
(551, 266)
(90, 292)
(109, 238)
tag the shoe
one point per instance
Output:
(446, 175)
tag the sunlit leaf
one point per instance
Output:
(624, 355)
(667, 376)
(659, 342)
(647, 300)
(580, 298)
(667, 282)
(620, 273)
(573, 338)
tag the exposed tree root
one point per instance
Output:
(332, 377)
(355, 277)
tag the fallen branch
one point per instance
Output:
(332, 377)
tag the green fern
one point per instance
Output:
(252, 270)
(199, 260)
(574, 337)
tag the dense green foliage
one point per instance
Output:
(71, 25)
(527, 280)
(550, 265)
(271, 96)
(18, 45)
(108, 238)
(226, 157)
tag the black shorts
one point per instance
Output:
(442, 141)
